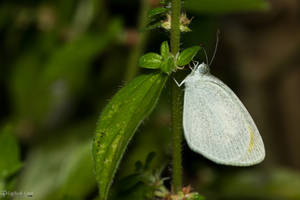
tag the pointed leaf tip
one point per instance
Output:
(187, 55)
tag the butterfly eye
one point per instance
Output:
(203, 68)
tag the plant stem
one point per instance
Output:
(175, 26)
(132, 67)
(176, 100)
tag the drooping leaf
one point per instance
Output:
(150, 61)
(157, 11)
(118, 123)
(164, 49)
(9, 153)
(187, 55)
(225, 6)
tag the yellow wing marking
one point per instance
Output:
(251, 143)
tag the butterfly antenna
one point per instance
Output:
(205, 55)
(216, 47)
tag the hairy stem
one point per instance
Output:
(132, 67)
(176, 100)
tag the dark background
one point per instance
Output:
(61, 62)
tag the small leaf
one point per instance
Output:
(149, 159)
(157, 11)
(187, 55)
(118, 123)
(196, 196)
(150, 61)
(168, 65)
(129, 182)
(153, 26)
(164, 49)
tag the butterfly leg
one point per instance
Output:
(178, 84)
(195, 63)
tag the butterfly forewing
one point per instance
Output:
(215, 123)
(256, 150)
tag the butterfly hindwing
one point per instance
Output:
(217, 125)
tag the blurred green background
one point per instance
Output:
(61, 62)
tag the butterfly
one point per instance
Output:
(216, 124)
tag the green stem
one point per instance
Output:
(132, 67)
(176, 100)
(175, 26)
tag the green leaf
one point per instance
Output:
(187, 55)
(72, 61)
(142, 145)
(149, 159)
(196, 196)
(57, 79)
(140, 191)
(118, 123)
(164, 49)
(57, 168)
(142, 185)
(153, 26)
(9, 153)
(150, 61)
(168, 60)
(157, 11)
(168, 65)
(225, 7)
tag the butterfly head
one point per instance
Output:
(202, 69)
(198, 71)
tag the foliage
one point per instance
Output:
(278, 183)
(119, 121)
(115, 126)
(157, 11)
(62, 60)
(151, 60)
(143, 184)
(166, 61)
(63, 76)
(57, 169)
(186, 56)
(224, 7)
(9, 154)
